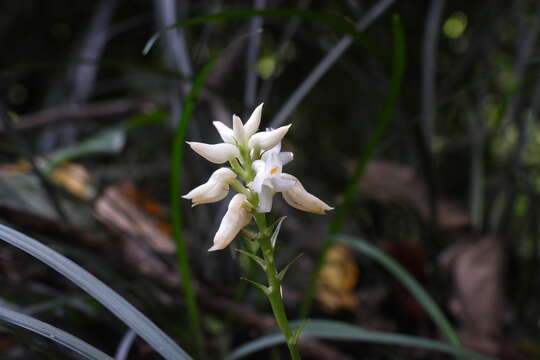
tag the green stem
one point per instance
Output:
(274, 286)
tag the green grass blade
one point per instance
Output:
(338, 23)
(351, 189)
(126, 312)
(176, 207)
(407, 280)
(54, 334)
(339, 331)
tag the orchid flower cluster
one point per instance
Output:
(255, 158)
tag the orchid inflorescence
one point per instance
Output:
(256, 159)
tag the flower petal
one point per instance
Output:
(258, 165)
(286, 157)
(216, 153)
(299, 198)
(234, 220)
(238, 130)
(224, 131)
(206, 193)
(265, 198)
(282, 183)
(252, 125)
(223, 174)
(215, 189)
(260, 176)
(270, 152)
(265, 140)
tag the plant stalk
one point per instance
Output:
(274, 286)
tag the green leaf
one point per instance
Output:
(339, 331)
(110, 141)
(277, 227)
(54, 334)
(99, 291)
(407, 280)
(338, 23)
(253, 257)
(282, 273)
(144, 119)
(177, 157)
(265, 289)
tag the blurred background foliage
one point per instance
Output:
(451, 191)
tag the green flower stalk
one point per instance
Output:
(255, 173)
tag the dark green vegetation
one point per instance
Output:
(416, 120)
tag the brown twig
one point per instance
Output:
(77, 112)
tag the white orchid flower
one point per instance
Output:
(215, 189)
(240, 133)
(269, 178)
(299, 198)
(247, 135)
(236, 218)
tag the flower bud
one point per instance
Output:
(238, 130)
(265, 140)
(252, 125)
(299, 198)
(215, 189)
(216, 153)
(224, 131)
(236, 218)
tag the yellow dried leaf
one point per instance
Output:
(338, 279)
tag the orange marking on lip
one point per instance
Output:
(273, 171)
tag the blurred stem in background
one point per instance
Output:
(176, 208)
(352, 187)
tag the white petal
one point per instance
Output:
(273, 151)
(265, 199)
(299, 198)
(234, 220)
(286, 157)
(224, 131)
(223, 174)
(215, 189)
(273, 165)
(209, 192)
(252, 125)
(282, 183)
(216, 153)
(265, 140)
(198, 191)
(258, 165)
(238, 129)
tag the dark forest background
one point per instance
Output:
(445, 179)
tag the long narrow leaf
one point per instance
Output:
(176, 208)
(338, 23)
(407, 280)
(126, 312)
(334, 330)
(54, 334)
(381, 127)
